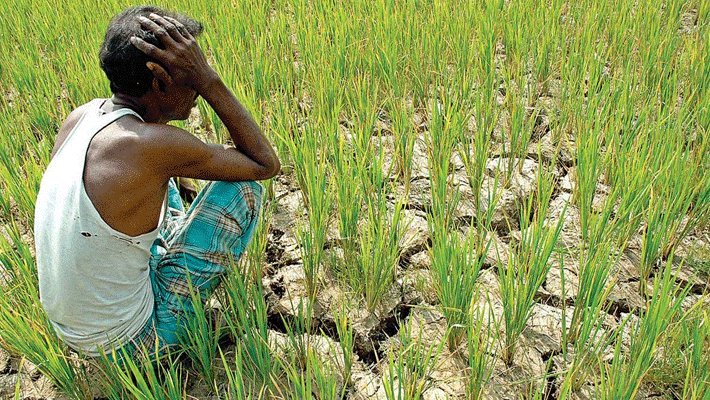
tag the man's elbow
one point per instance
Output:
(271, 169)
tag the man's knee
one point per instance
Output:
(247, 194)
(252, 193)
(257, 194)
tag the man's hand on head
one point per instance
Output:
(185, 62)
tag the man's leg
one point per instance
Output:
(194, 249)
(198, 248)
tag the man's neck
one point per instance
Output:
(137, 104)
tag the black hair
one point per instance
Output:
(125, 65)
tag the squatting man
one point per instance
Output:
(116, 252)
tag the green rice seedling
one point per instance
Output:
(18, 382)
(697, 51)
(379, 255)
(622, 211)
(302, 366)
(670, 201)
(474, 151)
(456, 264)
(200, 336)
(301, 385)
(546, 47)
(237, 386)
(486, 31)
(246, 315)
(405, 138)
(374, 180)
(349, 199)
(697, 215)
(446, 119)
(20, 268)
(21, 172)
(595, 284)
(585, 332)
(410, 365)
(255, 253)
(697, 376)
(346, 339)
(474, 148)
(527, 265)
(314, 381)
(362, 105)
(161, 379)
(589, 161)
(300, 335)
(238, 382)
(656, 219)
(586, 335)
(680, 367)
(521, 125)
(481, 328)
(311, 170)
(326, 385)
(26, 332)
(512, 28)
(625, 374)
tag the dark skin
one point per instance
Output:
(129, 162)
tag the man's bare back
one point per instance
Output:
(124, 192)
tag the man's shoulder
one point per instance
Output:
(161, 147)
(74, 117)
(157, 136)
(69, 124)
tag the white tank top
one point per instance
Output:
(94, 281)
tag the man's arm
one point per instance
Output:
(253, 158)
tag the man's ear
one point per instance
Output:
(161, 78)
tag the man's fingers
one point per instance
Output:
(180, 27)
(147, 48)
(168, 26)
(159, 32)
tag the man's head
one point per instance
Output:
(125, 65)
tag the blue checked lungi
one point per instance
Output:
(194, 249)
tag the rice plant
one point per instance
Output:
(624, 375)
(200, 334)
(346, 341)
(161, 377)
(409, 368)
(527, 266)
(246, 316)
(480, 331)
(456, 266)
(679, 366)
(379, 252)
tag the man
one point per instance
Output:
(116, 254)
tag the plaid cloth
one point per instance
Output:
(194, 248)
